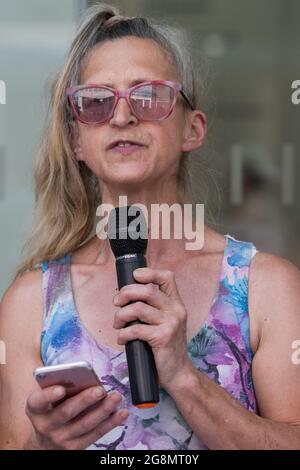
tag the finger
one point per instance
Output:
(137, 311)
(147, 333)
(114, 420)
(75, 405)
(148, 293)
(40, 401)
(94, 418)
(164, 278)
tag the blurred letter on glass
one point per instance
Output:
(296, 94)
(2, 352)
(2, 92)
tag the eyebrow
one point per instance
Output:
(132, 83)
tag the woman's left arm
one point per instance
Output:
(217, 418)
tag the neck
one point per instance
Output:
(163, 248)
(164, 213)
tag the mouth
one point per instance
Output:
(128, 149)
(121, 144)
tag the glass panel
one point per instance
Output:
(34, 37)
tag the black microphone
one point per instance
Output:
(129, 247)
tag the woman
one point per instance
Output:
(221, 333)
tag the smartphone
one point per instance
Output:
(74, 376)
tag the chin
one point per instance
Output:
(128, 179)
(128, 169)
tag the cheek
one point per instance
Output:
(173, 130)
(90, 143)
(170, 140)
(92, 147)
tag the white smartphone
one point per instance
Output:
(75, 376)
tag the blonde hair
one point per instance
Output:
(66, 191)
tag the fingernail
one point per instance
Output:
(98, 392)
(123, 414)
(116, 299)
(59, 392)
(116, 396)
(140, 271)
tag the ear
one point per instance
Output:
(75, 139)
(194, 131)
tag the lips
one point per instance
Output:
(131, 142)
(127, 150)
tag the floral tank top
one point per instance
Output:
(220, 349)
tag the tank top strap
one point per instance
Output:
(243, 251)
(55, 284)
(235, 281)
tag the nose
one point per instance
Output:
(122, 114)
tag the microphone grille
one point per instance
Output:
(127, 230)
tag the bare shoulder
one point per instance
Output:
(21, 306)
(26, 287)
(274, 294)
(271, 272)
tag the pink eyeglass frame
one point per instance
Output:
(176, 86)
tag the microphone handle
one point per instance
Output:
(143, 377)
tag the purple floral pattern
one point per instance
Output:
(221, 350)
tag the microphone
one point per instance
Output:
(129, 247)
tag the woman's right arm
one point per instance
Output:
(20, 320)
(27, 419)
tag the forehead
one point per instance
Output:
(126, 60)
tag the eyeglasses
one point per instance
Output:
(148, 101)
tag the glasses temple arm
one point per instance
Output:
(187, 99)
